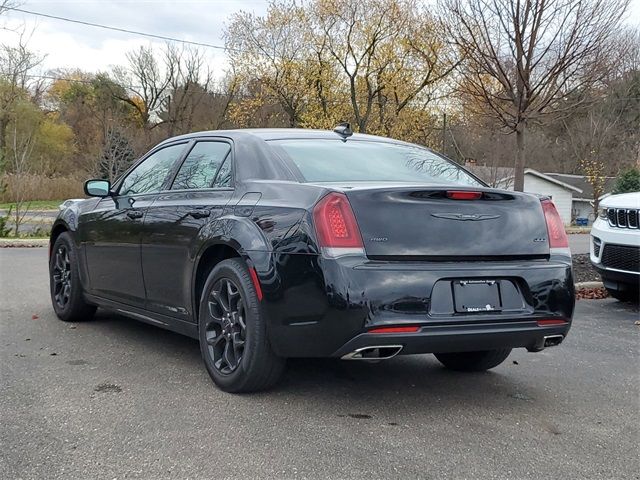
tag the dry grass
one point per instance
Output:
(39, 187)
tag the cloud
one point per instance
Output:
(68, 45)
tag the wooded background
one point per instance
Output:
(548, 84)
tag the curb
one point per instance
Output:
(23, 242)
(588, 285)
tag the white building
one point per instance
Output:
(572, 194)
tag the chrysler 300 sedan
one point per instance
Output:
(268, 244)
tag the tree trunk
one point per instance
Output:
(4, 124)
(518, 178)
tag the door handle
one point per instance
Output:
(199, 213)
(135, 214)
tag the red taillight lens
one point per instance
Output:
(463, 195)
(394, 330)
(555, 227)
(335, 223)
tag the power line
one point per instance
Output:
(117, 29)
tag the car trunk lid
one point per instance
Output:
(424, 222)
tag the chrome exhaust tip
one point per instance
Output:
(553, 340)
(374, 353)
(547, 341)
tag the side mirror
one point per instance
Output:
(97, 188)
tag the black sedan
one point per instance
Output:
(277, 243)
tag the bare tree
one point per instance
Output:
(23, 141)
(523, 57)
(7, 5)
(148, 81)
(117, 155)
(187, 88)
(15, 64)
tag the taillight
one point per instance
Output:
(555, 228)
(336, 226)
(463, 195)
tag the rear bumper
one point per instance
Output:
(459, 338)
(323, 308)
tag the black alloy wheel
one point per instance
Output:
(226, 328)
(62, 276)
(233, 331)
(67, 294)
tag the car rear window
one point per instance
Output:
(356, 160)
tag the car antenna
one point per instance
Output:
(344, 130)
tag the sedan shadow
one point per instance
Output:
(350, 385)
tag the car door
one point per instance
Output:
(111, 232)
(174, 225)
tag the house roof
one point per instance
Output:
(503, 177)
(578, 184)
(549, 178)
(580, 181)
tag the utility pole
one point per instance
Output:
(443, 150)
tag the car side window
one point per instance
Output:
(223, 179)
(150, 175)
(201, 165)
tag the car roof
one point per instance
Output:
(281, 134)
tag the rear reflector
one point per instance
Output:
(551, 321)
(463, 195)
(336, 226)
(555, 227)
(394, 330)
(256, 283)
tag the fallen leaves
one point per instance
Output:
(591, 294)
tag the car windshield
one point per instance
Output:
(321, 160)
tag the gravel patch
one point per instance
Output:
(583, 271)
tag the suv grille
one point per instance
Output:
(623, 218)
(621, 257)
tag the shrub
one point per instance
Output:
(628, 181)
(41, 187)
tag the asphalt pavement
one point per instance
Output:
(113, 398)
(579, 242)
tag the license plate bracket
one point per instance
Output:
(476, 296)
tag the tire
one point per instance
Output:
(631, 294)
(67, 296)
(473, 361)
(232, 330)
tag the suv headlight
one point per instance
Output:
(602, 213)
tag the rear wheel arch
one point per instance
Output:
(210, 256)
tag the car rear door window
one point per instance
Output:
(150, 175)
(202, 164)
(223, 179)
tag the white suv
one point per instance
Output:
(615, 245)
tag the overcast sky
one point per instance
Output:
(68, 45)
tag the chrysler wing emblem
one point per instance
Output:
(473, 217)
